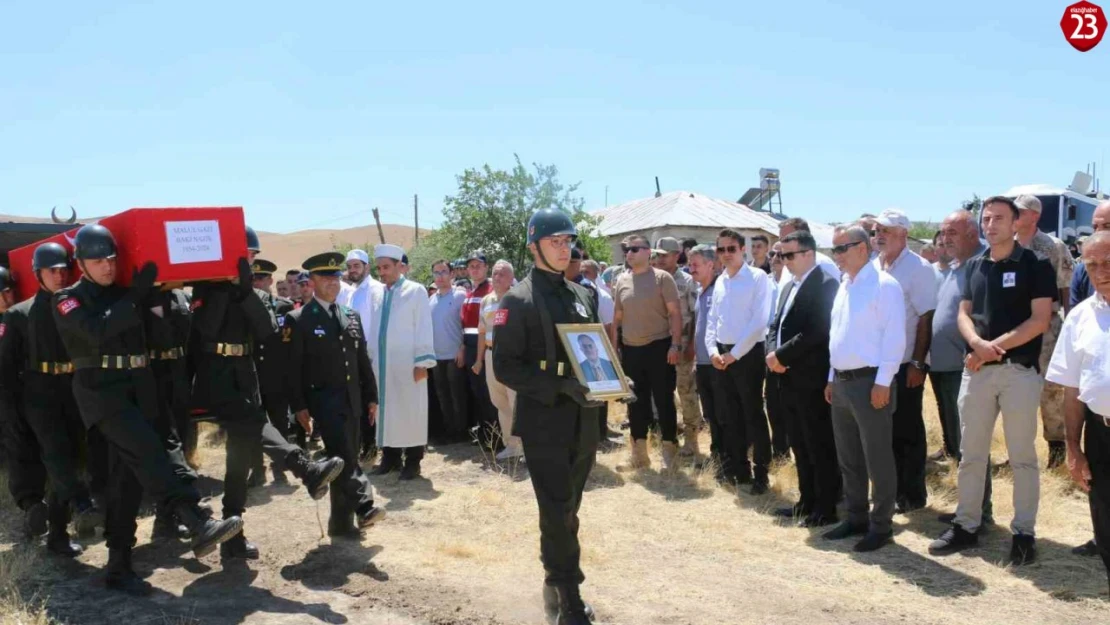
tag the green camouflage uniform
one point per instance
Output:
(686, 386)
(1052, 397)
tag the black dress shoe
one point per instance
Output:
(954, 539)
(817, 520)
(238, 547)
(845, 530)
(63, 546)
(411, 471)
(385, 468)
(793, 512)
(760, 487)
(1087, 550)
(1023, 550)
(743, 478)
(873, 541)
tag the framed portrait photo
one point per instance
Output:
(594, 360)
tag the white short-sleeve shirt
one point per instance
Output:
(1082, 356)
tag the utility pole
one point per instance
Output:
(416, 219)
(378, 222)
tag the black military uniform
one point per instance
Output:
(34, 360)
(553, 418)
(26, 473)
(166, 320)
(229, 320)
(102, 329)
(270, 360)
(329, 375)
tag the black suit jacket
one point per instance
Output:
(805, 330)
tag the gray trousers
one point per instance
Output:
(865, 451)
(1015, 391)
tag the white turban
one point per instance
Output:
(388, 250)
(359, 255)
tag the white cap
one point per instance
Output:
(359, 255)
(1028, 202)
(893, 218)
(388, 250)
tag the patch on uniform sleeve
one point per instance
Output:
(68, 305)
(500, 317)
(197, 303)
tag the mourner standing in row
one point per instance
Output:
(503, 397)
(556, 422)
(685, 379)
(102, 329)
(449, 376)
(34, 366)
(331, 389)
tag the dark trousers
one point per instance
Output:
(173, 407)
(654, 380)
(811, 438)
(743, 421)
(864, 452)
(780, 425)
(946, 390)
(245, 434)
(451, 394)
(339, 430)
(97, 451)
(603, 421)
(51, 411)
(26, 473)
(397, 456)
(709, 392)
(910, 446)
(558, 474)
(137, 462)
(1096, 446)
(484, 415)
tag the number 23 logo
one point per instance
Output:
(1083, 25)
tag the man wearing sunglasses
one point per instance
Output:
(918, 280)
(734, 334)
(826, 264)
(867, 338)
(648, 320)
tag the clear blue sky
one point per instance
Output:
(305, 115)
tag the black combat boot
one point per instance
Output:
(315, 475)
(207, 532)
(35, 519)
(167, 527)
(551, 603)
(342, 525)
(57, 541)
(86, 518)
(572, 610)
(122, 577)
(239, 547)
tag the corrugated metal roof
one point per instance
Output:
(682, 208)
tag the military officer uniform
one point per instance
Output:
(33, 358)
(556, 423)
(26, 473)
(102, 330)
(166, 320)
(330, 376)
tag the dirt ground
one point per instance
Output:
(460, 547)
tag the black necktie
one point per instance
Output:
(335, 320)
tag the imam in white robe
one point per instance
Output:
(400, 339)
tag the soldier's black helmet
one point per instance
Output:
(49, 256)
(7, 280)
(550, 222)
(92, 242)
(252, 241)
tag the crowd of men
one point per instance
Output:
(779, 349)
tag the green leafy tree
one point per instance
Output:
(975, 205)
(923, 230)
(491, 209)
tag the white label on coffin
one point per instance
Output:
(193, 241)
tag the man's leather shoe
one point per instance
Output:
(760, 487)
(1023, 550)
(385, 468)
(63, 546)
(793, 512)
(817, 520)
(551, 604)
(873, 541)
(239, 547)
(954, 539)
(411, 471)
(845, 530)
(1087, 550)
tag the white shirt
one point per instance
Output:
(824, 262)
(868, 325)
(345, 293)
(738, 311)
(1082, 356)
(790, 301)
(604, 305)
(918, 280)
